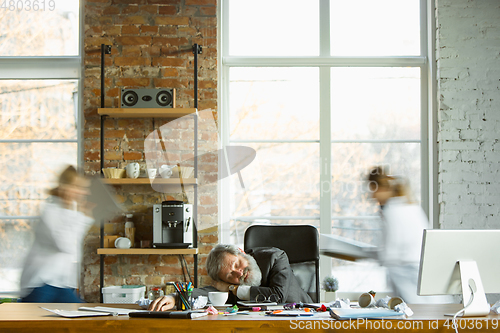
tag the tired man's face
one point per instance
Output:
(240, 269)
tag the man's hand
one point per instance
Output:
(221, 285)
(162, 303)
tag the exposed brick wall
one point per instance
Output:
(468, 61)
(151, 48)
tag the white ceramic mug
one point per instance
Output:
(218, 298)
(165, 171)
(133, 170)
(366, 300)
(152, 173)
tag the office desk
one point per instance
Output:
(28, 317)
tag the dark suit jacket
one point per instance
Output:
(277, 278)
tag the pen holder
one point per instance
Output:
(182, 299)
(180, 303)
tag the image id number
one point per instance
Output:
(28, 5)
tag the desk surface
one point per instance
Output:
(29, 317)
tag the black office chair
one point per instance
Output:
(300, 243)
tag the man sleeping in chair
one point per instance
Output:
(262, 272)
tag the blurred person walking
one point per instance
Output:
(403, 225)
(50, 273)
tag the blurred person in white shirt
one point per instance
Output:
(403, 224)
(50, 273)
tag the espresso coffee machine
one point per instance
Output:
(172, 225)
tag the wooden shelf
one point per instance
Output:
(146, 113)
(146, 181)
(146, 251)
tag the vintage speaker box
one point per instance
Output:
(148, 98)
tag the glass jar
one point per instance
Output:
(154, 293)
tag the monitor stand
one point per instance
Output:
(472, 289)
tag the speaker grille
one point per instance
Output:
(164, 98)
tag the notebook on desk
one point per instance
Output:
(189, 314)
(365, 313)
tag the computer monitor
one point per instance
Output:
(463, 262)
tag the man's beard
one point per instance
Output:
(254, 274)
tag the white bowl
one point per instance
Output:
(122, 243)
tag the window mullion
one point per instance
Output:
(325, 133)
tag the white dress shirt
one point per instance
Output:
(56, 252)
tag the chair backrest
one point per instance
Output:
(300, 243)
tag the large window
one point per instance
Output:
(322, 90)
(39, 117)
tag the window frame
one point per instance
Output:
(428, 143)
(49, 68)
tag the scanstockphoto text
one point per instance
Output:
(404, 324)
(28, 5)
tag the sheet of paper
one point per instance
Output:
(114, 311)
(76, 314)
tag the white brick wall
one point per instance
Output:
(468, 62)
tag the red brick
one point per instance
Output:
(164, 2)
(210, 239)
(133, 82)
(205, 84)
(186, 31)
(132, 9)
(113, 92)
(208, 11)
(131, 20)
(112, 155)
(118, 134)
(132, 2)
(149, 30)
(91, 31)
(130, 30)
(166, 62)
(97, 41)
(201, 2)
(131, 50)
(151, 9)
(150, 52)
(169, 72)
(167, 10)
(170, 41)
(202, 105)
(111, 10)
(132, 61)
(91, 156)
(132, 155)
(112, 30)
(110, 144)
(171, 83)
(169, 270)
(104, 20)
(160, 20)
(168, 30)
(132, 122)
(133, 40)
(91, 144)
